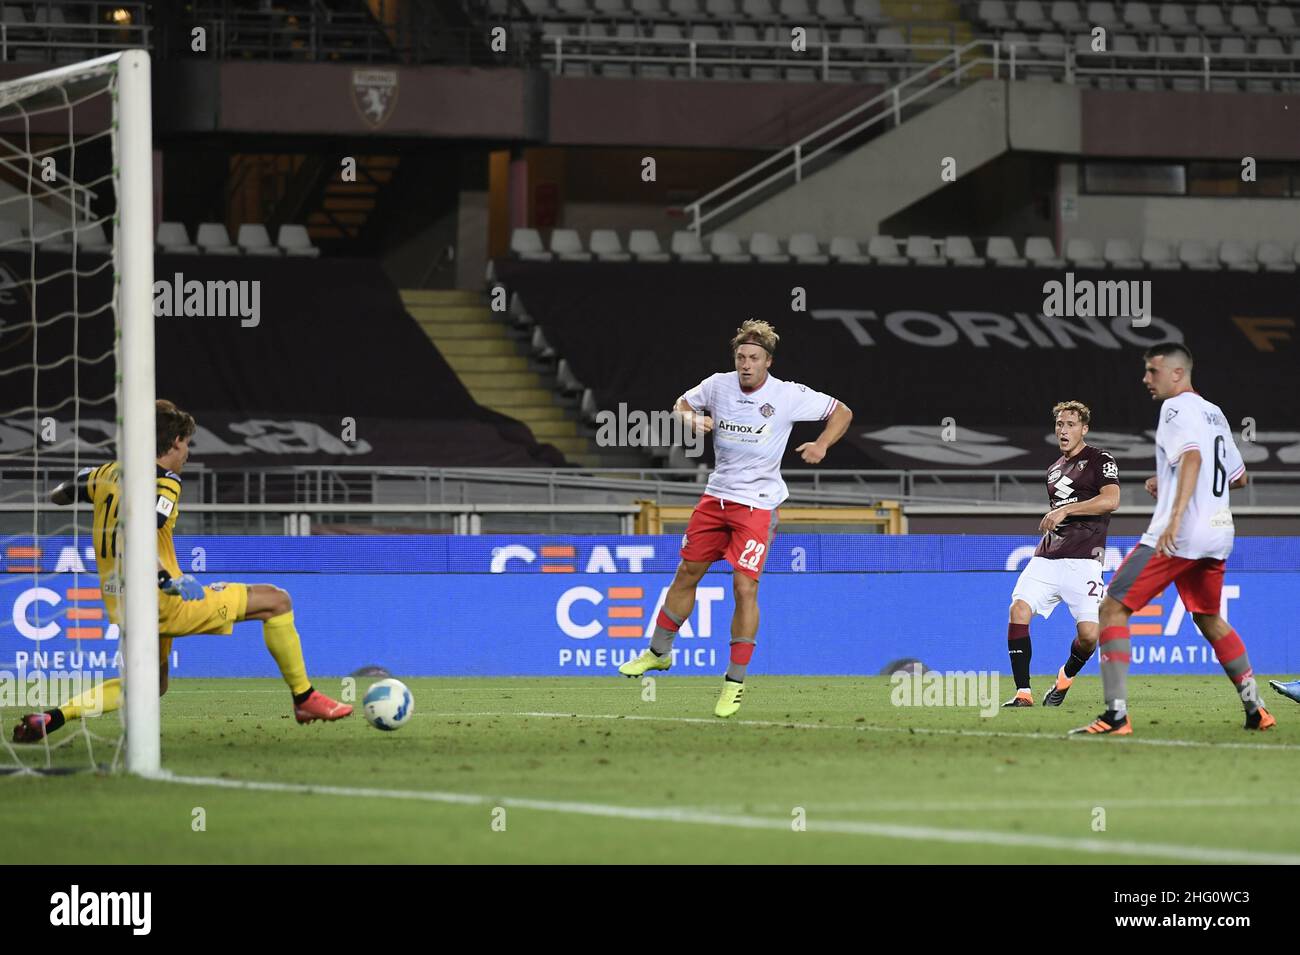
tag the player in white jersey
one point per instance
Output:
(750, 414)
(1187, 542)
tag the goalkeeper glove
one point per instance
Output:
(185, 587)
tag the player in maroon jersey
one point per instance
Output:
(1082, 490)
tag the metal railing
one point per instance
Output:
(793, 162)
(399, 489)
(977, 59)
(45, 42)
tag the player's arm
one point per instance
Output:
(73, 489)
(1240, 482)
(836, 426)
(691, 418)
(1189, 468)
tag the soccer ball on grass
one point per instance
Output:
(388, 705)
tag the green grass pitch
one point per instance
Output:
(611, 777)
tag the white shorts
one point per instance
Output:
(1076, 580)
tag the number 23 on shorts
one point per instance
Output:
(752, 555)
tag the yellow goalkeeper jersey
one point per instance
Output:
(102, 487)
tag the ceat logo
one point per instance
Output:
(562, 558)
(620, 612)
(30, 615)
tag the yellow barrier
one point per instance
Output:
(885, 515)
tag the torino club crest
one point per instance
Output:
(374, 94)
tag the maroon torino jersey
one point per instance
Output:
(1080, 478)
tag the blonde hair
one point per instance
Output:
(1078, 407)
(755, 331)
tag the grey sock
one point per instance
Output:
(1114, 673)
(736, 671)
(661, 641)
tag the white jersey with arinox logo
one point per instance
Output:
(750, 431)
(1189, 421)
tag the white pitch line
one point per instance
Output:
(1081, 805)
(871, 728)
(1091, 846)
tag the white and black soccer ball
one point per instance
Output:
(388, 705)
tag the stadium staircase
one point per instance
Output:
(496, 371)
(857, 189)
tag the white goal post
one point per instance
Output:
(36, 100)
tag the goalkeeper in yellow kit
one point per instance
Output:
(185, 607)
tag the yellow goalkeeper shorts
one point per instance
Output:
(223, 605)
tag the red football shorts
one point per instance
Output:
(1145, 574)
(738, 532)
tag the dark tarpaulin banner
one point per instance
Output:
(952, 367)
(306, 345)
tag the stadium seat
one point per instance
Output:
(1209, 19)
(720, 10)
(1082, 254)
(1195, 254)
(893, 38)
(765, 247)
(1269, 46)
(1173, 19)
(1120, 254)
(1041, 254)
(566, 244)
(799, 11)
(1029, 14)
(883, 250)
(869, 12)
(644, 245)
(1139, 19)
(519, 316)
(1281, 21)
(993, 14)
(923, 250)
(757, 10)
(174, 239)
(539, 346)
(57, 237)
(294, 240)
(1159, 254)
(1103, 15)
(1273, 257)
(1001, 251)
(686, 246)
(1065, 14)
(961, 251)
(213, 239)
(527, 244)
(832, 11)
(606, 247)
(845, 249)
(566, 382)
(1051, 46)
(253, 239)
(587, 406)
(1245, 19)
(805, 249)
(725, 247)
(683, 9)
(1237, 257)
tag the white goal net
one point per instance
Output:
(76, 392)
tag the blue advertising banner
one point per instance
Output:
(596, 554)
(361, 601)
